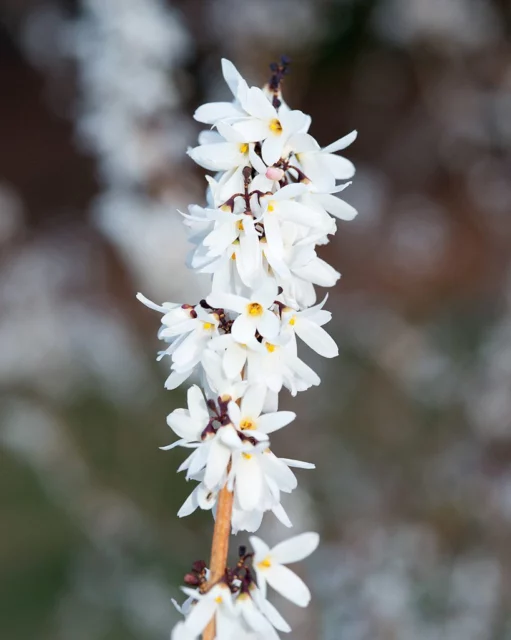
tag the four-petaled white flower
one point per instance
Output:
(254, 311)
(270, 565)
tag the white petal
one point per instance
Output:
(273, 615)
(234, 413)
(251, 129)
(301, 142)
(316, 337)
(175, 444)
(190, 504)
(176, 378)
(266, 293)
(300, 214)
(257, 622)
(243, 329)
(248, 258)
(295, 549)
(197, 405)
(272, 148)
(253, 400)
(211, 112)
(219, 300)
(270, 422)
(180, 632)
(234, 360)
(294, 121)
(268, 324)
(230, 438)
(281, 515)
(342, 143)
(289, 191)
(288, 584)
(256, 162)
(151, 305)
(183, 425)
(260, 548)
(298, 464)
(249, 482)
(200, 614)
(216, 466)
(337, 207)
(318, 272)
(217, 157)
(258, 105)
(231, 75)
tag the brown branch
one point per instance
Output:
(220, 547)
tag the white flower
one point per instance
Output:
(270, 566)
(265, 123)
(322, 166)
(189, 423)
(253, 619)
(306, 325)
(222, 151)
(234, 354)
(214, 111)
(216, 602)
(275, 364)
(200, 498)
(254, 314)
(248, 419)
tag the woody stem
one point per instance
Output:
(219, 547)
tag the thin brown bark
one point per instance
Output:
(219, 547)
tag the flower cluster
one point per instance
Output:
(269, 205)
(238, 600)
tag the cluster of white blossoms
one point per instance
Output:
(238, 602)
(269, 205)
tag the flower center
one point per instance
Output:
(275, 126)
(271, 206)
(207, 326)
(218, 599)
(265, 564)
(247, 456)
(239, 225)
(271, 347)
(247, 423)
(255, 309)
(243, 147)
(292, 322)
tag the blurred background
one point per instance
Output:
(411, 428)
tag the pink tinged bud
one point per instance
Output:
(274, 173)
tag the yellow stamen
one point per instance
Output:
(255, 309)
(271, 206)
(233, 257)
(239, 224)
(247, 456)
(292, 322)
(247, 423)
(243, 147)
(276, 127)
(218, 599)
(271, 347)
(207, 325)
(265, 564)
